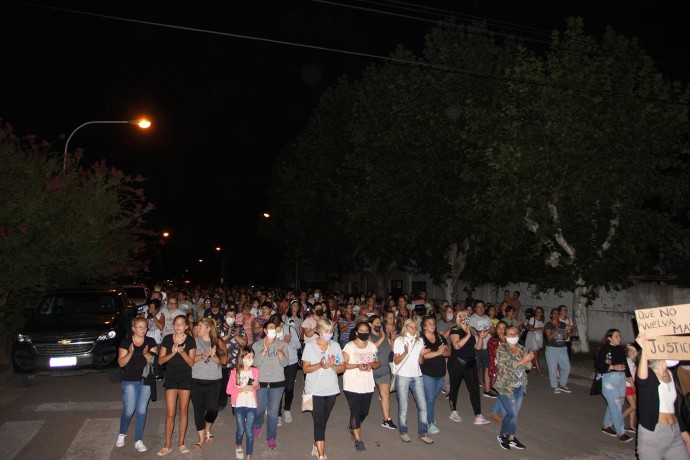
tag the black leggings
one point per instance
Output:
(359, 407)
(205, 401)
(222, 395)
(290, 376)
(323, 405)
(457, 373)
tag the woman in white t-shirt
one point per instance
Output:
(407, 352)
(322, 361)
(361, 356)
(535, 335)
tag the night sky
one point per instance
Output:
(222, 107)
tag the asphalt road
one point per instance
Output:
(77, 417)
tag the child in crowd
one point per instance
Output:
(242, 386)
(630, 395)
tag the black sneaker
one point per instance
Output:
(609, 431)
(359, 446)
(389, 424)
(625, 438)
(491, 394)
(503, 442)
(516, 444)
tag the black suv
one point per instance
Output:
(75, 329)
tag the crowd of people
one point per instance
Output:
(250, 345)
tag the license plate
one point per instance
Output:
(63, 361)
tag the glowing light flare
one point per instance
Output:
(144, 123)
(266, 215)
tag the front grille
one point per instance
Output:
(73, 336)
(56, 349)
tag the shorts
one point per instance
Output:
(178, 380)
(482, 357)
(383, 379)
(629, 391)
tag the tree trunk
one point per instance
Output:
(457, 259)
(580, 317)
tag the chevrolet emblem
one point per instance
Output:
(64, 341)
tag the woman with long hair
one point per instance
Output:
(134, 355)
(242, 388)
(612, 364)
(322, 361)
(408, 349)
(661, 431)
(178, 350)
(433, 365)
(207, 376)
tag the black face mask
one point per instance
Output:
(377, 328)
(318, 312)
(363, 336)
(420, 311)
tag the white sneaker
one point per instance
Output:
(280, 421)
(480, 420)
(120, 440)
(287, 416)
(454, 416)
(139, 445)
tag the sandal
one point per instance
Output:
(197, 446)
(209, 437)
(183, 449)
(164, 451)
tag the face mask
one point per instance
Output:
(316, 295)
(449, 317)
(671, 362)
(396, 313)
(420, 311)
(271, 333)
(230, 321)
(377, 328)
(248, 362)
(327, 337)
(363, 336)
(512, 340)
(362, 299)
(318, 312)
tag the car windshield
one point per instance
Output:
(79, 303)
(135, 292)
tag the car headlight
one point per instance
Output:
(107, 335)
(23, 338)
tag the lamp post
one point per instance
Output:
(141, 123)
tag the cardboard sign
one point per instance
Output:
(668, 347)
(657, 321)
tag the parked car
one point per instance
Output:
(138, 293)
(73, 329)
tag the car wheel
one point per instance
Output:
(114, 375)
(20, 380)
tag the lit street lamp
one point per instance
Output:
(143, 123)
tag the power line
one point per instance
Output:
(393, 60)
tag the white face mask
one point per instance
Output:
(248, 362)
(671, 362)
(271, 333)
(449, 317)
(316, 295)
(512, 340)
(230, 321)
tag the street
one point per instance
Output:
(77, 417)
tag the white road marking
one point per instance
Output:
(95, 439)
(78, 406)
(15, 435)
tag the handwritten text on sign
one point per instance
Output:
(664, 320)
(668, 347)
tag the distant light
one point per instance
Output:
(201, 261)
(186, 281)
(166, 234)
(266, 215)
(218, 248)
(144, 123)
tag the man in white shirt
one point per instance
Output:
(480, 322)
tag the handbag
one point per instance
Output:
(596, 385)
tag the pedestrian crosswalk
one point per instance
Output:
(94, 439)
(15, 435)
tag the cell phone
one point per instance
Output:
(250, 381)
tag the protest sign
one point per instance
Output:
(671, 320)
(668, 347)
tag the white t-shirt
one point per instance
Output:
(409, 366)
(169, 318)
(356, 380)
(245, 398)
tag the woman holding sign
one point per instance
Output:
(612, 364)
(661, 432)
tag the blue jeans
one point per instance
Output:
(416, 385)
(557, 357)
(512, 407)
(432, 387)
(135, 398)
(498, 408)
(613, 391)
(245, 423)
(268, 398)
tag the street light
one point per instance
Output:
(143, 124)
(266, 215)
